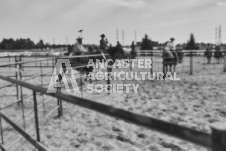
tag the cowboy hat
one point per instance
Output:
(102, 35)
(79, 38)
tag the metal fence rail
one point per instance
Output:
(216, 141)
(24, 134)
(184, 133)
(191, 60)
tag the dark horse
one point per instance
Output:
(170, 60)
(208, 54)
(80, 63)
(218, 55)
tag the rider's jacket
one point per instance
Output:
(103, 44)
(78, 48)
(170, 46)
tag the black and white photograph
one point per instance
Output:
(113, 75)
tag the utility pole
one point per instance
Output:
(135, 37)
(117, 35)
(219, 40)
(216, 36)
(123, 37)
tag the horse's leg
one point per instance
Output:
(174, 68)
(166, 68)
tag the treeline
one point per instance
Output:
(191, 44)
(148, 44)
(11, 44)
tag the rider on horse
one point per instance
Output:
(103, 45)
(208, 53)
(218, 54)
(133, 53)
(78, 48)
(170, 56)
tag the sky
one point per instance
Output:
(59, 20)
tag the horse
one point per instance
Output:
(180, 55)
(169, 60)
(218, 55)
(80, 63)
(208, 54)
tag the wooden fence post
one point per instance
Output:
(152, 62)
(59, 101)
(191, 63)
(218, 136)
(36, 116)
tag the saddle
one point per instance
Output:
(168, 54)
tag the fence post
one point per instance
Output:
(130, 64)
(2, 140)
(81, 82)
(36, 116)
(163, 63)
(36, 59)
(21, 93)
(218, 136)
(43, 99)
(109, 70)
(191, 63)
(53, 63)
(9, 62)
(152, 62)
(17, 88)
(225, 63)
(59, 103)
